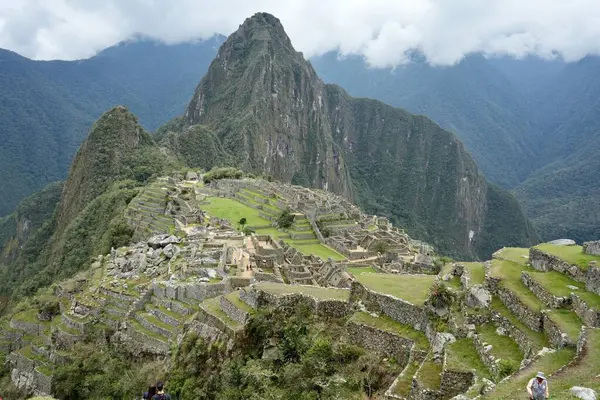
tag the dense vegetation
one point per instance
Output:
(46, 108)
(285, 354)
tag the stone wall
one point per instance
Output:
(555, 336)
(196, 291)
(517, 335)
(381, 342)
(419, 392)
(455, 382)
(529, 317)
(397, 309)
(212, 320)
(587, 314)
(26, 376)
(64, 340)
(233, 312)
(547, 262)
(139, 344)
(209, 333)
(592, 248)
(488, 360)
(546, 297)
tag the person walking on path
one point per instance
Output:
(538, 387)
(160, 392)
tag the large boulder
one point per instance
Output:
(171, 251)
(439, 341)
(478, 297)
(563, 242)
(583, 393)
(156, 241)
(592, 248)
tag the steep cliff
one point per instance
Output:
(264, 109)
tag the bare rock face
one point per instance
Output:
(583, 393)
(439, 341)
(563, 242)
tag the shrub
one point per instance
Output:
(441, 296)
(285, 220)
(222, 173)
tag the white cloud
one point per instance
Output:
(381, 30)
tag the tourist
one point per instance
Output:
(538, 387)
(160, 394)
(150, 393)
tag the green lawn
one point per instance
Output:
(232, 211)
(404, 383)
(315, 291)
(234, 298)
(272, 231)
(360, 270)
(386, 323)
(549, 363)
(519, 255)
(317, 249)
(454, 283)
(537, 339)
(412, 288)
(556, 283)
(572, 254)
(503, 347)
(568, 322)
(477, 271)
(430, 374)
(510, 273)
(462, 356)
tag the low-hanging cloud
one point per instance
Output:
(385, 32)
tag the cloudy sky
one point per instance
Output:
(380, 30)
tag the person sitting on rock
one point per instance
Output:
(538, 387)
(160, 394)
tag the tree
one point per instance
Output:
(380, 248)
(242, 223)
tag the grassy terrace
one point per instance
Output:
(411, 288)
(537, 339)
(360, 270)
(503, 347)
(430, 374)
(234, 298)
(477, 271)
(557, 284)
(157, 322)
(232, 211)
(387, 324)
(140, 328)
(510, 273)
(404, 383)
(213, 306)
(274, 232)
(549, 363)
(518, 255)
(568, 322)
(317, 249)
(315, 291)
(165, 310)
(462, 356)
(572, 254)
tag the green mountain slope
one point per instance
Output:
(263, 105)
(46, 107)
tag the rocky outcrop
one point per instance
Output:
(592, 248)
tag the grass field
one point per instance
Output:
(503, 347)
(387, 324)
(273, 232)
(430, 374)
(404, 383)
(360, 270)
(537, 339)
(568, 322)
(315, 291)
(510, 273)
(518, 255)
(318, 249)
(572, 254)
(232, 211)
(557, 284)
(477, 271)
(462, 356)
(412, 288)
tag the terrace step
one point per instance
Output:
(213, 315)
(165, 315)
(235, 308)
(153, 324)
(502, 347)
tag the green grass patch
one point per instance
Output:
(517, 255)
(411, 288)
(537, 339)
(462, 356)
(213, 306)
(315, 291)
(234, 298)
(360, 270)
(568, 322)
(166, 311)
(317, 249)
(572, 254)
(430, 374)
(232, 211)
(404, 383)
(385, 323)
(155, 321)
(454, 283)
(510, 273)
(142, 329)
(556, 283)
(46, 370)
(503, 347)
(549, 363)
(477, 271)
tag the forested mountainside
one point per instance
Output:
(271, 114)
(47, 107)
